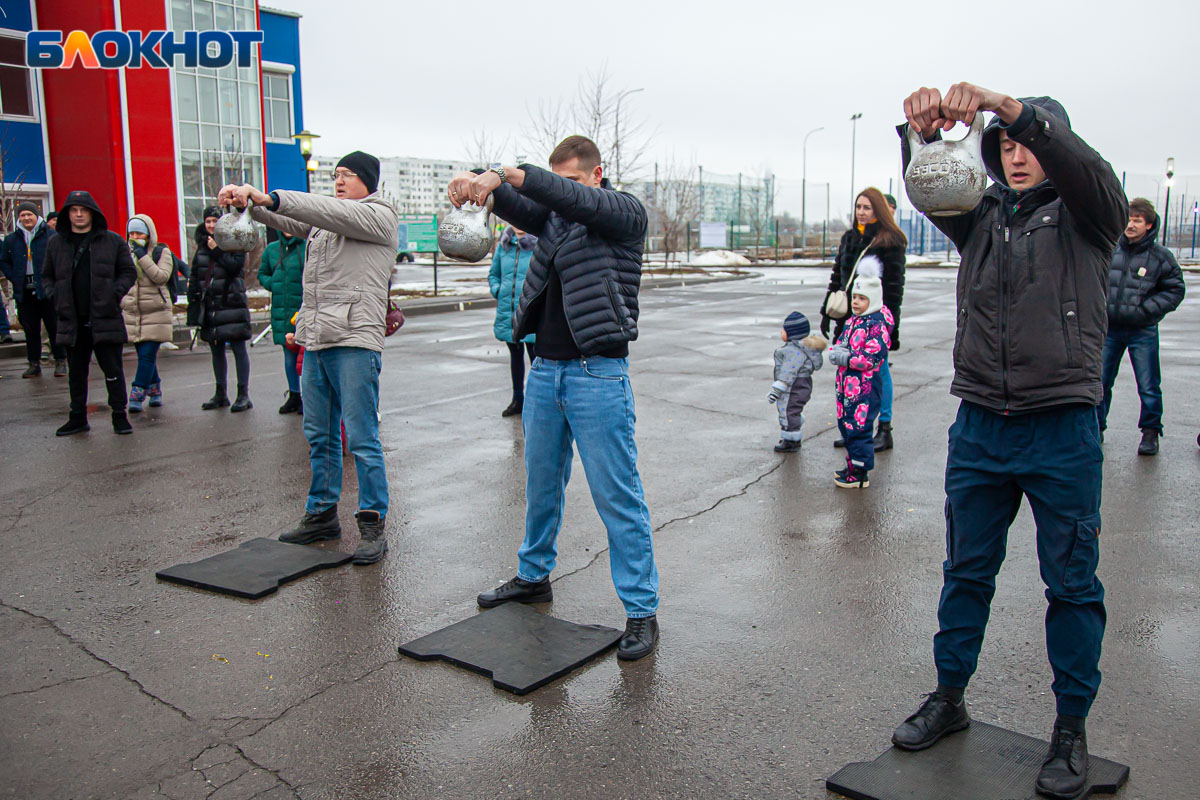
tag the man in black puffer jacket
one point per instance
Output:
(1031, 326)
(87, 270)
(580, 298)
(1145, 284)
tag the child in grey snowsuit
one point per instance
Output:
(795, 363)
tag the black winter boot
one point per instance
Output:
(1149, 443)
(372, 546)
(219, 399)
(292, 405)
(121, 423)
(242, 401)
(314, 527)
(76, 423)
(883, 438)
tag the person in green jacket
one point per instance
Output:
(282, 273)
(506, 279)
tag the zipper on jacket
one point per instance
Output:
(1004, 314)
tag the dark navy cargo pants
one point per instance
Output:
(1054, 458)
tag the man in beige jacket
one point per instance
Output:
(352, 241)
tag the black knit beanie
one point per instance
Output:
(212, 211)
(796, 326)
(25, 205)
(365, 166)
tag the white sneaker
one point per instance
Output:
(170, 346)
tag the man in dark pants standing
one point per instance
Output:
(1030, 330)
(1145, 285)
(21, 256)
(88, 269)
(580, 298)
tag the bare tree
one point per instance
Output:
(484, 149)
(760, 211)
(9, 197)
(548, 125)
(673, 202)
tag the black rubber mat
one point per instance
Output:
(518, 648)
(981, 763)
(254, 568)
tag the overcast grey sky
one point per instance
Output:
(734, 86)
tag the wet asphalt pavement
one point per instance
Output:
(797, 618)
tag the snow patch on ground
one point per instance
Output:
(720, 258)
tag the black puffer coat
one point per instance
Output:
(1034, 272)
(217, 293)
(594, 237)
(111, 270)
(1145, 282)
(893, 259)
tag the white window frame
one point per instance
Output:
(31, 82)
(285, 71)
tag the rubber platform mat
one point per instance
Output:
(254, 568)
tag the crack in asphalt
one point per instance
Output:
(52, 685)
(21, 508)
(153, 697)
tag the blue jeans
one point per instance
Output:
(885, 382)
(341, 387)
(589, 402)
(5, 327)
(289, 369)
(147, 368)
(1143, 352)
(1052, 457)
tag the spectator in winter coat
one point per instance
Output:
(282, 274)
(859, 354)
(875, 233)
(506, 280)
(52, 220)
(1145, 284)
(795, 364)
(352, 241)
(217, 303)
(22, 254)
(1027, 369)
(148, 308)
(88, 269)
(580, 298)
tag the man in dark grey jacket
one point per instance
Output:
(580, 298)
(1145, 285)
(1030, 329)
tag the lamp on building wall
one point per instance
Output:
(305, 137)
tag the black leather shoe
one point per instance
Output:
(1064, 772)
(839, 443)
(518, 591)
(640, 639)
(937, 717)
(514, 409)
(787, 446)
(1149, 443)
(314, 527)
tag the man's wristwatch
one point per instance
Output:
(499, 170)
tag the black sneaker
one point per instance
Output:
(372, 546)
(518, 591)
(787, 446)
(1149, 444)
(75, 424)
(640, 639)
(1064, 772)
(852, 478)
(314, 527)
(937, 717)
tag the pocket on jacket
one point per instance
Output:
(332, 318)
(1080, 572)
(614, 300)
(1071, 336)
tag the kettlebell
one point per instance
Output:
(945, 179)
(235, 231)
(464, 234)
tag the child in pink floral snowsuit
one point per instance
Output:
(858, 353)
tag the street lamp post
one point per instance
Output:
(617, 135)
(1167, 205)
(305, 137)
(804, 191)
(853, 148)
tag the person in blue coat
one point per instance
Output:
(506, 279)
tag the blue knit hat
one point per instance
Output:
(796, 325)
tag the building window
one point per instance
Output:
(16, 86)
(277, 106)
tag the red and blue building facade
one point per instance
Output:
(145, 140)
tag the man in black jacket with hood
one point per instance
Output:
(580, 298)
(1145, 285)
(1030, 329)
(88, 269)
